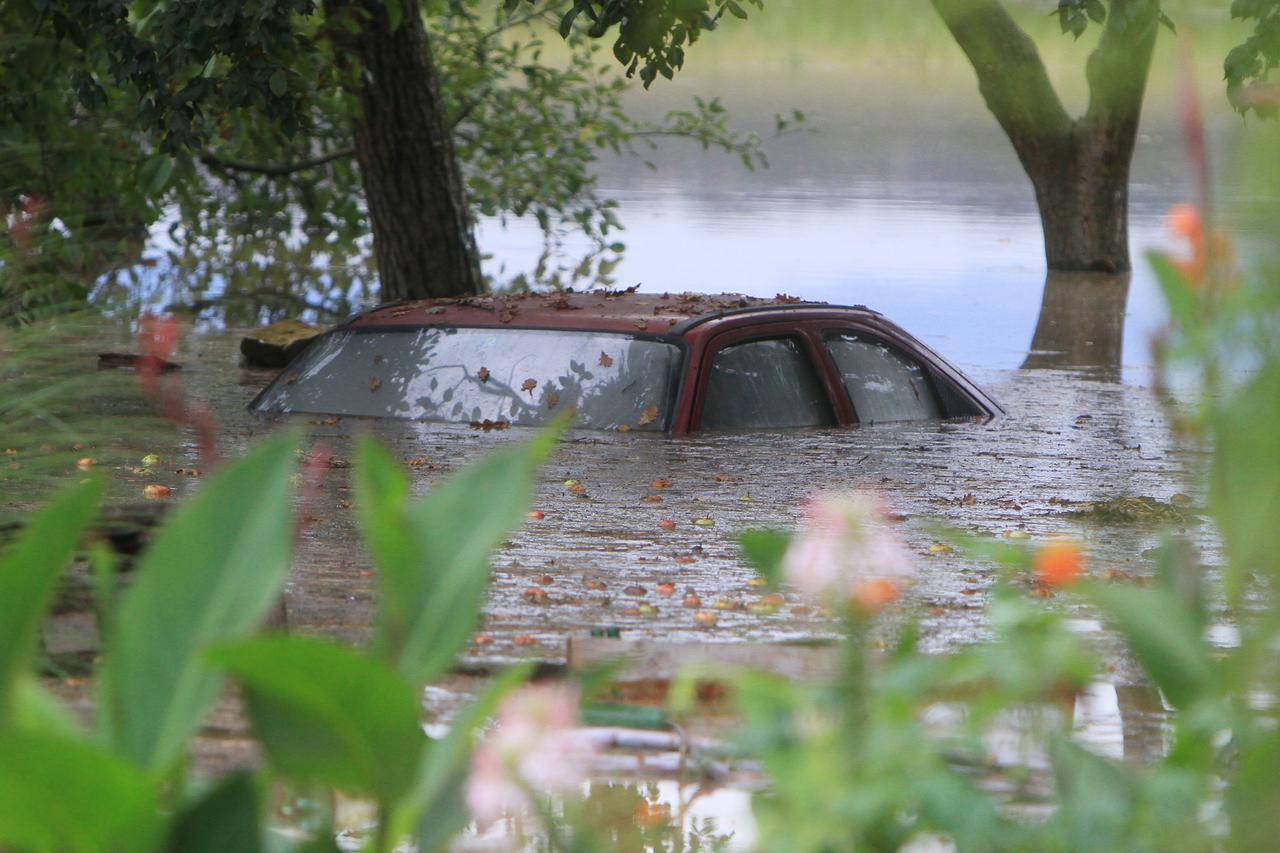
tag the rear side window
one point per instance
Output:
(883, 385)
(764, 384)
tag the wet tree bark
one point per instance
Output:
(422, 232)
(1078, 166)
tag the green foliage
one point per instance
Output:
(226, 817)
(29, 573)
(240, 133)
(325, 714)
(432, 569)
(1252, 62)
(58, 793)
(651, 34)
(328, 714)
(763, 550)
(196, 584)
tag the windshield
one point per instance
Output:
(503, 376)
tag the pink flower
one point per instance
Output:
(534, 747)
(842, 551)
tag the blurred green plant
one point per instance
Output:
(326, 715)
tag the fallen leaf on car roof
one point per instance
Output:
(649, 415)
(606, 360)
(529, 385)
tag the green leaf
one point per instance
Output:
(29, 577)
(209, 576)
(395, 13)
(566, 23)
(1183, 301)
(36, 711)
(225, 818)
(1096, 797)
(154, 174)
(1164, 634)
(279, 84)
(434, 806)
(69, 795)
(433, 556)
(764, 550)
(327, 713)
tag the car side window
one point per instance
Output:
(883, 384)
(764, 384)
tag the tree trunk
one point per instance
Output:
(1079, 167)
(1084, 205)
(422, 231)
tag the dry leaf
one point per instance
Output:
(553, 400)
(529, 385)
(483, 373)
(648, 416)
(605, 360)
(375, 383)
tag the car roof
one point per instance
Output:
(600, 310)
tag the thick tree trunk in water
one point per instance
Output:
(422, 234)
(1079, 167)
(1084, 206)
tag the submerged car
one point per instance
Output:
(625, 361)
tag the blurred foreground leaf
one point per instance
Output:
(29, 573)
(225, 818)
(433, 555)
(764, 550)
(58, 794)
(327, 713)
(209, 576)
(1164, 634)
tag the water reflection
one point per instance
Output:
(1081, 324)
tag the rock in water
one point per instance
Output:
(276, 345)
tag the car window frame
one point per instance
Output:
(810, 345)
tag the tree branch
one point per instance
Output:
(1117, 68)
(213, 161)
(1011, 75)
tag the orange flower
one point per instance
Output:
(1058, 563)
(1184, 221)
(874, 593)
